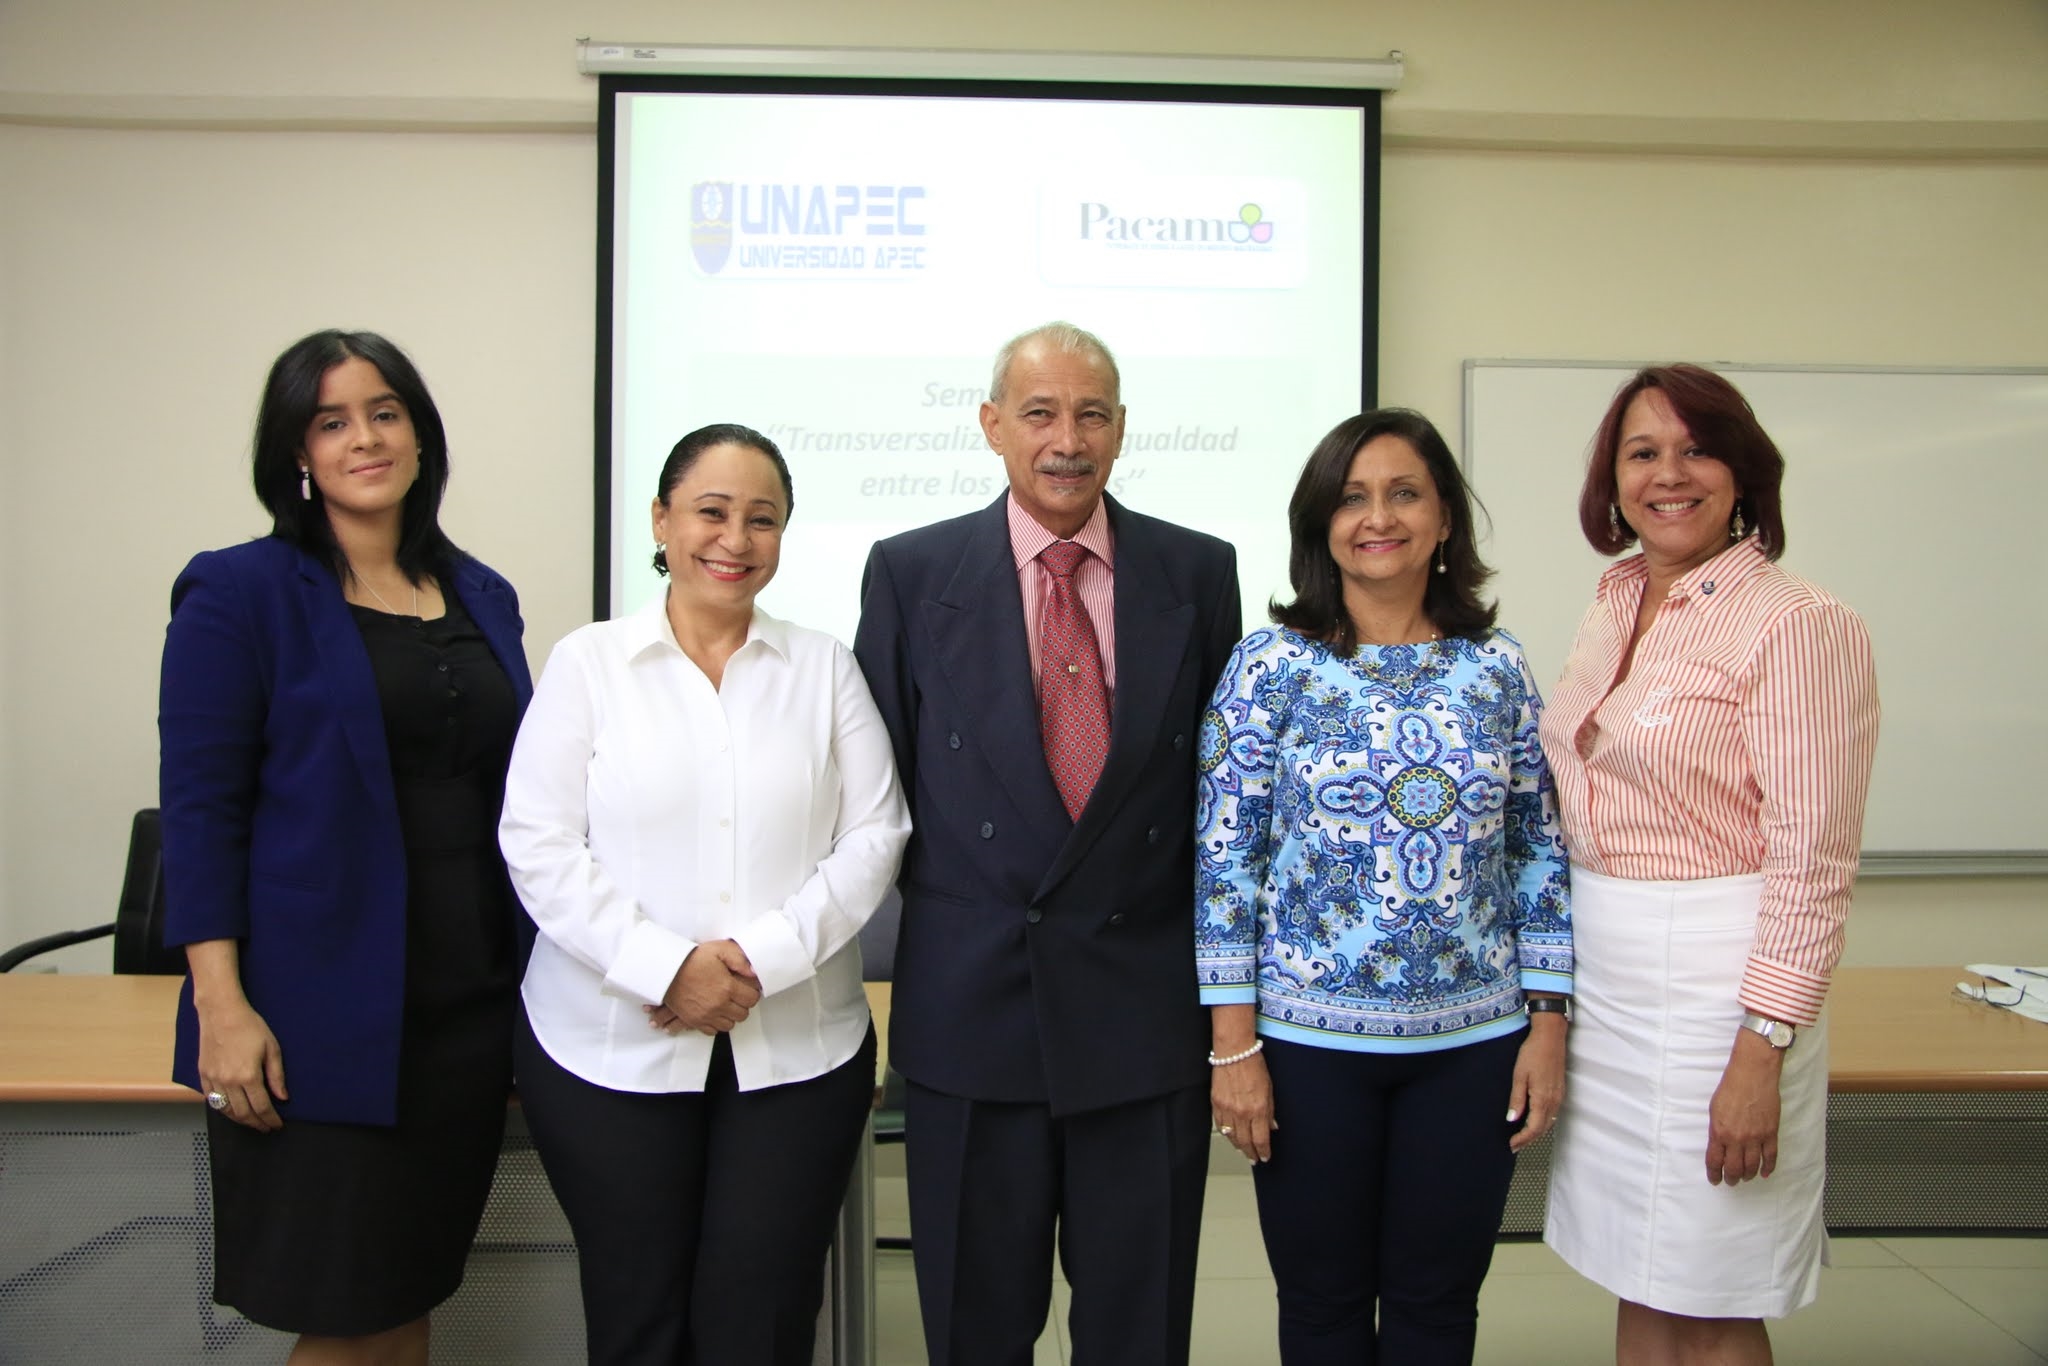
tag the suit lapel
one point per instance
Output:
(490, 609)
(1153, 627)
(345, 674)
(976, 627)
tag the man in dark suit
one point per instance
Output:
(1042, 666)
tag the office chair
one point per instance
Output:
(138, 924)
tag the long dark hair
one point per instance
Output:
(1452, 597)
(290, 397)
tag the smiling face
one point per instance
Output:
(721, 525)
(1678, 498)
(1389, 520)
(1058, 428)
(360, 447)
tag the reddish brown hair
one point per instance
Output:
(1720, 420)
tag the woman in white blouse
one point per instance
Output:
(701, 812)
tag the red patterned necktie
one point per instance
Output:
(1073, 706)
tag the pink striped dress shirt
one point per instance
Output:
(1095, 581)
(1740, 742)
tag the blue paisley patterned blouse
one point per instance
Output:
(1378, 856)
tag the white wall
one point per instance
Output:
(185, 189)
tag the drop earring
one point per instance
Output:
(305, 485)
(1736, 529)
(1614, 519)
(1440, 557)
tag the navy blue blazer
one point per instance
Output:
(280, 821)
(1042, 959)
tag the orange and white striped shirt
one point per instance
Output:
(1740, 742)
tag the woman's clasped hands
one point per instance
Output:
(713, 991)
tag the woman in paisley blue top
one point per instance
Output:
(1381, 923)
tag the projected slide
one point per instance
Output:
(838, 271)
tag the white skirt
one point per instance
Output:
(1657, 967)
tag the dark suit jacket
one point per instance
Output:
(1043, 960)
(279, 817)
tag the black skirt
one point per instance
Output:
(341, 1229)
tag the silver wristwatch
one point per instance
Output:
(1776, 1032)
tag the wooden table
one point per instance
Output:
(106, 1238)
(90, 1038)
(1906, 1029)
(99, 1039)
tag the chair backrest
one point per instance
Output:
(139, 920)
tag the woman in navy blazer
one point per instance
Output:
(339, 701)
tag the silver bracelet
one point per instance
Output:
(1258, 1046)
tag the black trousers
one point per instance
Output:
(1385, 1190)
(994, 1185)
(702, 1220)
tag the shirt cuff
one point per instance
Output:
(1536, 980)
(1779, 991)
(777, 955)
(647, 961)
(1246, 995)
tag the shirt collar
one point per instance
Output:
(1028, 539)
(1724, 572)
(648, 628)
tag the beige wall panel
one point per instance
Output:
(153, 278)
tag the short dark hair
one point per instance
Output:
(291, 395)
(1720, 419)
(1452, 597)
(690, 450)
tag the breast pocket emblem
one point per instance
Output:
(1656, 709)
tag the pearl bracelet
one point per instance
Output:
(1258, 1046)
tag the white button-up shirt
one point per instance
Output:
(647, 812)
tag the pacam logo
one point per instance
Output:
(1176, 232)
(711, 224)
(1251, 227)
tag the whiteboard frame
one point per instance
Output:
(1889, 863)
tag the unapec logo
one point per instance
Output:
(711, 224)
(796, 230)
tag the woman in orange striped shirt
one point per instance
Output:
(1711, 740)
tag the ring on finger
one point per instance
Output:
(1223, 1129)
(217, 1099)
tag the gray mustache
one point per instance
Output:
(1058, 465)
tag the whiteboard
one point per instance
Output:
(1920, 498)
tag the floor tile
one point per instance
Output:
(1233, 1250)
(1527, 1259)
(1535, 1318)
(1934, 1252)
(1893, 1315)
(2014, 1298)
(1234, 1324)
(1847, 1252)
(1229, 1196)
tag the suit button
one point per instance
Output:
(1180, 742)
(988, 830)
(1152, 835)
(1116, 920)
(952, 739)
(1033, 916)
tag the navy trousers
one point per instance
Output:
(993, 1185)
(702, 1219)
(1384, 1193)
